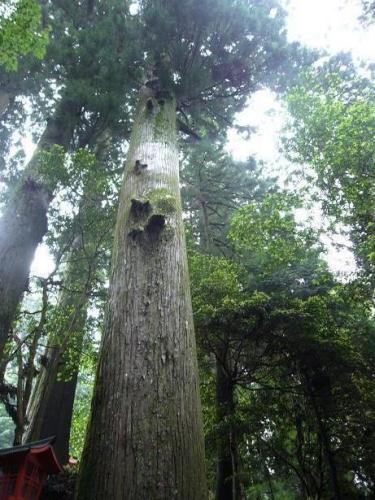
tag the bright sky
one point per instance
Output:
(330, 25)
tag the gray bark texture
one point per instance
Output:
(145, 437)
(24, 222)
(53, 410)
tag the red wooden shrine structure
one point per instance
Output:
(24, 469)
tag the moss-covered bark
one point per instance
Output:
(145, 439)
(24, 222)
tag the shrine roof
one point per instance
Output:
(42, 450)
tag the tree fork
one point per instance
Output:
(145, 437)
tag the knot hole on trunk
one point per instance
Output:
(139, 167)
(155, 226)
(140, 208)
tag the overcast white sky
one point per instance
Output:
(330, 25)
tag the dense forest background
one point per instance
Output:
(285, 345)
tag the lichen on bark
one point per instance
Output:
(163, 201)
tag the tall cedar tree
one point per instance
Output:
(292, 328)
(24, 221)
(94, 96)
(145, 435)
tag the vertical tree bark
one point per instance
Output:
(20, 414)
(53, 410)
(145, 438)
(24, 222)
(228, 486)
(51, 405)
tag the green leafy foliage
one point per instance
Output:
(7, 429)
(268, 230)
(333, 118)
(214, 186)
(295, 345)
(81, 411)
(21, 33)
(212, 54)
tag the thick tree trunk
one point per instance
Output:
(145, 438)
(52, 410)
(51, 405)
(24, 222)
(228, 486)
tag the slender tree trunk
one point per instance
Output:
(24, 222)
(51, 405)
(145, 438)
(37, 334)
(329, 455)
(26, 373)
(20, 414)
(228, 486)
